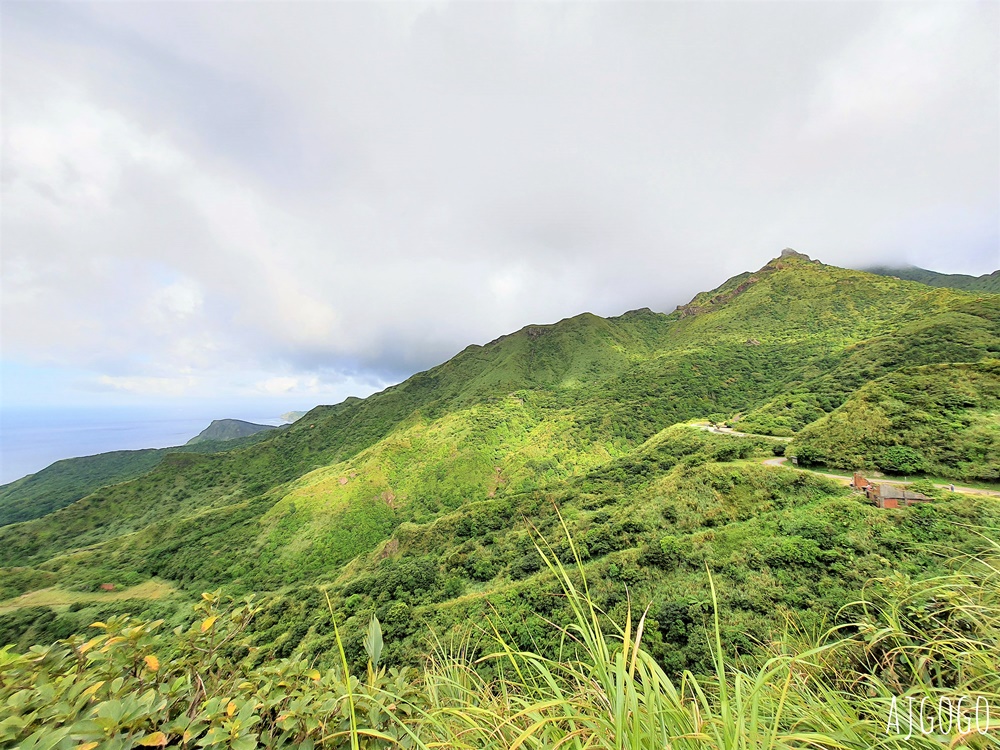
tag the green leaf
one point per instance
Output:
(373, 642)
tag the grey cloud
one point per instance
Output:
(359, 188)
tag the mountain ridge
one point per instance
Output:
(229, 429)
(987, 282)
(542, 355)
(406, 501)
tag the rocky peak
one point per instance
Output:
(789, 253)
(787, 259)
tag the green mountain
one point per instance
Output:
(71, 479)
(988, 282)
(940, 419)
(422, 504)
(229, 429)
(966, 332)
(67, 481)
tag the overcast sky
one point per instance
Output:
(302, 201)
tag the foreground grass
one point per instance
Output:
(929, 643)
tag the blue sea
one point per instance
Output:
(31, 439)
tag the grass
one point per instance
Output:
(607, 692)
(934, 419)
(60, 597)
(934, 640)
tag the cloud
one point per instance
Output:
(278, 385)
(150, 386)
(911, 60)
(304, 198)
(176, 301)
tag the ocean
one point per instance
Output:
(31, 439)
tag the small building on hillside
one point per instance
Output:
(893, 496)
(859, 482)
(886, 495)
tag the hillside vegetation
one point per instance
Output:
(67, 481)
(937, 419)
(969, 332)
(229, 429)
(421, 506)
(133, 684)
(988, 282)
(71, 479)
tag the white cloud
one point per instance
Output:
(278, 385)
(151, 386)
(180, 299)
(313, 197)
(904, 66)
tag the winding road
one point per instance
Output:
(781, 460)
(730, 431)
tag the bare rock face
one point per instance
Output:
(696, 307)
(789, 253)
(789, 258)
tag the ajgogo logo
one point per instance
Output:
(964, 716)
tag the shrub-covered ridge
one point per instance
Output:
(936, 419)
(133, 685)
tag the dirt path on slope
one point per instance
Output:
(780, 461)
(730, 431)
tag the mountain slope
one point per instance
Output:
(939, 419)
(988, 282)
(72, 479)
(419, 499)
(969, 332)
(611, 382)
(67, 481)
(229, 429)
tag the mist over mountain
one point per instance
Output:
(988, 282)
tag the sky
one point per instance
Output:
(289, 203)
